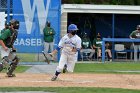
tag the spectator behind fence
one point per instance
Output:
(86, 47)
(48, 37)
(97, 44)
(136, 34)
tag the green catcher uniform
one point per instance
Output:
(9, 56)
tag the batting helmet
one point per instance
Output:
(72, 27)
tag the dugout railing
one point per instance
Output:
(113, 41)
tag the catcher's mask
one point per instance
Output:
(15, 23)
(6, 25)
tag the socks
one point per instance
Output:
(57, 73)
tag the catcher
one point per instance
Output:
(8, 53)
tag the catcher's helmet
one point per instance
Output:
(15, 23)
(6, 25)
(72, 27)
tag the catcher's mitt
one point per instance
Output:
(48, 57)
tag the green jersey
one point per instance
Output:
(97, 43)
(86, 44)
(48, 34)
(8, 36)
(135, 34)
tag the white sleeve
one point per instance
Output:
(61, 43)
(78, 46)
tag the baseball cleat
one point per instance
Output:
(11, 75)
(54, 78)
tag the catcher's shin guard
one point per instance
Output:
(5, 59)
(4, 63)
(1, 67)
(12, 67)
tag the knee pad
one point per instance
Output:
(16, 60)
(5, 59)
(11, 68)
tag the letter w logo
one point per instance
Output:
(29, 12)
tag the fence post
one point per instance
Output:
(103, 50)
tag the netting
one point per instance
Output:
(3, 4)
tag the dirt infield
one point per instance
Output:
(72, 80)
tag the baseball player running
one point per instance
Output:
(8, 53)
(70, 45)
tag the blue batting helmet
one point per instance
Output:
(72, 27)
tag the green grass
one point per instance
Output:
(26, 57)
(107, 67)
(70, 90)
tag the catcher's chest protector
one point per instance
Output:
(10, 40)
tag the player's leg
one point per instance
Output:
(99, 54)
(71, 63)
(13, 64)
(62, 62)
(138, 52)
(92, 51)
(51, 46)
(46, 47)
(1, 67)
(81, 53)
(5, 60)
(109, 54)
(135, 52)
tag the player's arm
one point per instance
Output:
(78, 46)
(3, 45)
(131, 36)
(60, 45)
(3, 37)
(54, 52)
(94, 44)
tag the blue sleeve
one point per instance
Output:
(58, 48)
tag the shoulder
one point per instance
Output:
(64, 37)
(134, 31)
(7, 31)
(77, 38)
(52, 28)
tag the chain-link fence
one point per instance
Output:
(29, 43)
(5, 7)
